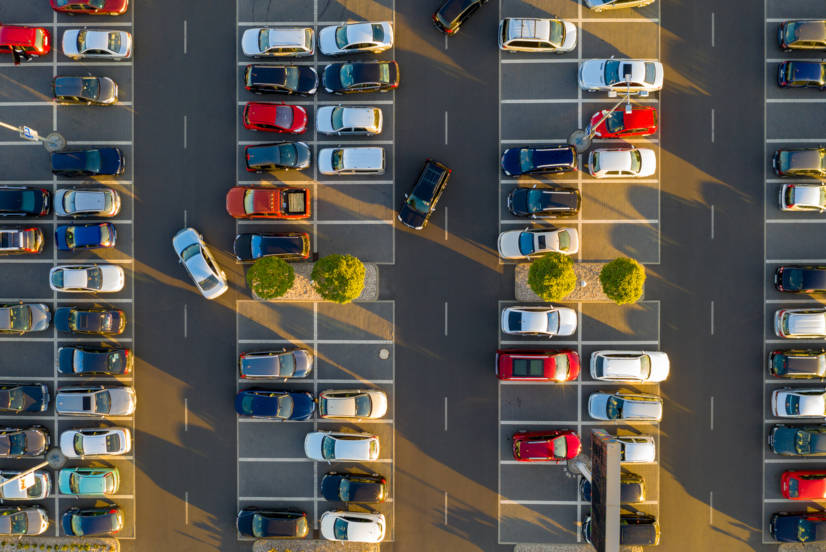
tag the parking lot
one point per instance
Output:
(26, 99)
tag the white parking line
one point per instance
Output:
(184, 131)
(322, 341)
(783, 261)
(584, 221)
(569, 422)
(445, 413)
(795, 100)
(795, 221)
(711, 503)
(793, 460)
(445, 127)
(712, 221)
(186, 508)
(712, 122)
(712, 29)
(712, 321)
(541, 60)
(445, 507)
(445, 317)
(572, 100)
(789, 140)
(711, 413)
(276, 498)
(184, 36)
(186, 414)
(539, 502)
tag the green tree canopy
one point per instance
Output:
(339, 278)
(552, 276)
(270, 277)
(622, 280)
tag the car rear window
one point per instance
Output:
(528, 367)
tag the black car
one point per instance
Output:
(798, 363)
(281, 155)
(354, 487)
(277, 405)
(22, 201)
(802, 74)
(260, 524)
(558, 159)
(798, 440)
(802, 35)
(90, 320)
(632, 488)
(798, 526)
(91, 162)
(420, 203)
(635, 529)
(94, 361)
(85, 90)
(280, 79)
(453, 13)
(18, 442)
(360, 76)
(544, 202)
(290, 246)
(800, 279)
(17, 398)
(84, 522)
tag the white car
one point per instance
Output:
(97, 44)
(96, 400)
(522, 244)
(625, 406)
(621, 76)
(630, 366)
(536, 35)
(104, 278)
(602, 5)
(803, 197)
(328, 446)
(622, 162)
(352, 526)
(349, 120)
(352, 404)
(96, 441)
(35, 486)
(800, 323)
(351, 160)
(356, 38)
(279, 41)
(199, 263)
(86, 202)
(549, 321)
(791, 402)
(637, 449)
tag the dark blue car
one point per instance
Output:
(801, 74)
(280, 405)
(556, 159)
(82, 522)
(91, 162)
(798, 440)
(798, 526)
(86, 236)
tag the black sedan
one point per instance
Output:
(278, 405)
(260, 524)
(800, 279)
(94, 361)
(280, 79)
(290, 246)
(798, 363)
(22, 201)
(354, 487)
(282, 155)
(90, 320)
(85, 90)
(17, 398)
(85, 522)
(802, 74)
(18, 442)
(420, 203)
(91, 162)
(544, 202)
(361, 76)
(798, 526)
(798, 440)
(558, 159)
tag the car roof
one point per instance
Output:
(285, 36)
(806, 158)
(362, 157)
(807, 323)
(529, 28)
(17, 35)
(807, 70)
(562, 155)
(810, 30)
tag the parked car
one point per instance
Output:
(349, 120)
(277, 156)
(96, 441)
(280, 79)
(803, 484)
(367, 160)
(798, 440)
(36, 487)
(19, 442)
(360, 76)
(800, 323)
(104, 278)
(282, 202)
(90, 162)
(354, 487)
(90, 7)
(637, 77)
(634, 407)
(199, 263)
(797, 162)
(21, 318)
(328, 446)
(86, 522)
(527, 243)
(278, 42)
(88, 481)
(641, 121)
(82, 360)
(803, 197)
(637, 449)
(791, 402)
(86, 90)
(25, 42)
(531, 160)
(557, 365)
(419, 204)
(356, 38)
(95, 44)
(798, 363)
(19, 240)
(290, 246)
(635, 529)
(802, 35)
(452, 14)
(630, 366)
(274, 405)
(632, 488)
(803, 527)
(17, 398)
(536, 35)
(275, 117)
(86, 202)
(23, 520)
(801, 74)
(800, 279)
(352, 404)
(23, 201)
(96, 400)
(546, 202)
(262, 524)
(293, 362)
(622, 162)
(352, 526)
(545, 446)
(602, 5)
(547, 321)
(90, 320)
(69, 237)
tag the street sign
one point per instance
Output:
(29, 133)
(605, 491)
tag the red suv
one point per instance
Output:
(552, 365)
(25, 41)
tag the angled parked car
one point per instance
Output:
(352, 526)
(21, 318)
(69, 237)
(790, 402)
(284, 363)
(96, 441)
(96, 400)
(85, 90)
(274, 405)
(267, 524)
(533, 160)
(805, 34)
(19, 442)
(803, 197)
(86, 202)
(622, 162)
(19, 240)
(803, 527)
(352, 404)
(90, 162)
(329, 446)
(797, 162)
(83, 360)
(87, 522)
(90, 7)
(349, 120)
(641, 121)
(351, 160)
(23, 520)
(630, 366)
(452, 14)
(798, 364)
(199, 263)
(88, 481)
(800, 323)
(800, 279)
(356, 38)
(545, 446)
(420, 203)
(798, 440)
(803, 484)
(97, 44)
(17, 398)
(602, 5)
(104, 278)
(546, 202)
(556, 365)
(90, 320)
(547, 321)
(290, 246)
(354, 487)
(36, 487)
(527, 34)
(275, 117)
(802, 74)
(360, 76)
(636, 77)
(637, 449)
(277, 156)
(532, 242)
(23, 201)
(625, 406)
(278, 42)
(281, 79)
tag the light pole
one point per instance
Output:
(54, 458)
(581, 138)
(53, 141)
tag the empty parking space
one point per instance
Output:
(537, 121)
(783, 241)
(541, 402)
(531, 522)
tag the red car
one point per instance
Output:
(545, 446)
(275, 117)
(552, 365)
(642, 121)
(29, 41)
(274, 203)
(91, 7)
(803, 484)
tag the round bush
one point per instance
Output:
(622, 280)
(270, 277)
(338, 278)
(552, 276)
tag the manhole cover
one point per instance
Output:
(384, 354)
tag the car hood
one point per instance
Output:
(303, 406)
(312, 445)
(592, 73)
(123, 401)
(411, 218)
(570, 36)
(184, 238)
(783, 439)
(36, 441)
(510, 161)
(508, 244)
(325, 160)
(567, 321)
(70, 41)
(660, 366)
(303, 363)
(597, 405)
(648, 166)
(639, 452)
(331, 77)
(41, 316)
(249, 41)
(518, 201)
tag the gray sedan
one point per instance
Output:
(21, 318)
(199, 263)
(281, 363)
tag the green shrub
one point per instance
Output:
(552, 276)
(270, 277)
(622, 280)
(338, 278)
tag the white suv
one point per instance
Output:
(351, 160)
(800, 323)
(278, 42)
(629, 366)
(536, 35)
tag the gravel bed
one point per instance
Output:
(588, 273)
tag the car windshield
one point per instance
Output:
(27, 199)
(793, 488)
(534, 201)
(795, 279)
(779, 364)
(338, 117)
(337, 159)
(790, 34)
(561, 366)
(418, 204)
(612, 75)
(340, 529)
(90, 88)
(112, 442)
(526, 243)
(341, 36)
(19, 523)
(17, 443)
(636, 160)
(557, 32)
(70, 236)
(346, 75)
(94, 278)
(564, 238)
(615, 121)
(263, 40)
(344, 490)
(560, 447)
(19, 317)
(103, 402)
(105, 233)
(287, 154)
(614, 408)
(93, 161)
(526, 159)
(286, 365)
(645, 367)
(208, 283)
(363, 405)
(806, 530)
(285, 406)
(77, 442)
(328, 448)
(792, 404)
(190, 251)
(291, 77)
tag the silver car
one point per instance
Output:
(803, 197)
(199, 263)
(527, 243)
(278, 42)
(548, 321)
(86, 202)
(621, 406)
(352, 404)
(282, 363)
(341, 447)
(356, 38)
(96, 400)
(22, 317)
(349, 120)
(621, 76)
(97, 44)
(630, 366)
(351, 160)
(536, 35)
(23, 520)
(31, 487)
(602, 5)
